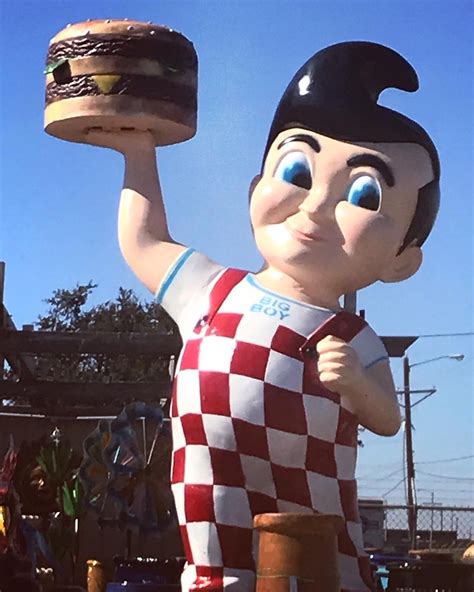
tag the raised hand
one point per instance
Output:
(124, 141)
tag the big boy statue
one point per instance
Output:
(274, 377)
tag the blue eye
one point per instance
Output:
(294, 168)
(365, 192)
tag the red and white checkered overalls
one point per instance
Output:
(248, 440)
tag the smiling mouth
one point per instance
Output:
(305, 235)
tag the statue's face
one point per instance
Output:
(331, 211)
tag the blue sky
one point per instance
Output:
(59, 200)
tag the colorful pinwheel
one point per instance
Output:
(125, 470)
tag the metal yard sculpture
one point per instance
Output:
(122, 474)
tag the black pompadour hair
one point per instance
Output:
(335, 93)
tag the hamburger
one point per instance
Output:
(121, 75)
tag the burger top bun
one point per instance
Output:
(108, 27)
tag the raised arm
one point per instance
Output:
(143, 232)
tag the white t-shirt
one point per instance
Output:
(184, 294)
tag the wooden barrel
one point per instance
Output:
(297, 552)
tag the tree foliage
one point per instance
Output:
(69, 310)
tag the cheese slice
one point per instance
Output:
(106, 82)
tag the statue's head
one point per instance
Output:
(349, 189)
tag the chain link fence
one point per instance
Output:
(437, 527)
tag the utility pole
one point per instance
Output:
(412, 509)
(350, 302)
(409, 455)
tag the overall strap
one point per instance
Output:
(344, 325)
(224, 285)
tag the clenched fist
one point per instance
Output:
(338, 365)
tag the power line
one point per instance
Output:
(380, 478)
(437, 490)
(378, 465)
(448, 334)
(394, 487)
(427, 462)
(459, 502)
(377, 487)
(447, 476)
(432, 482)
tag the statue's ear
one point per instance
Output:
(253, 184)
(403, 265)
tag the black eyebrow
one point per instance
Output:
(306, 138)
(376, 163)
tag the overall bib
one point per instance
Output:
(250, 436)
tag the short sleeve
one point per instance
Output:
(185, 288)
(369, 347)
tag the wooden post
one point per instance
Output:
(409, 454)
(29, 359)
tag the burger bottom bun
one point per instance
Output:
(71, 119)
